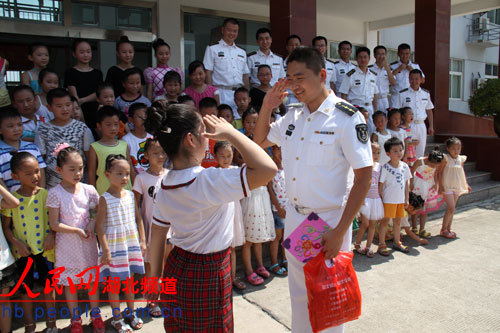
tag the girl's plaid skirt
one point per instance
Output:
(203, 292)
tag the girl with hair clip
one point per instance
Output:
(125, 53)
(72, 206)
(121, 237)
(198, 204)
(154, 75)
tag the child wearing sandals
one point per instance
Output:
(424, 183)
(415, 204)
(277, 192)
(144, 190)
(372, 210)
(121, 237)
(452, 182)
(259, 228)
(8, 277)
(27, 230)
(394, 190)
(223, 152)
(198, 205)
(72, 206)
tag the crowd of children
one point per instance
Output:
(403, 185)
(79, 173)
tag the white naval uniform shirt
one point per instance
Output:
(227, 62)
(198, 204)
(403, 77)
(319, 151)
(331, 73)
(341, 69)
(419, 101)
(359, 87)
(257, 58)
(382, 81)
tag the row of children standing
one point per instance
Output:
(405, 186)
(61, 168)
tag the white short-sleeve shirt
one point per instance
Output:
(419, 101)
(319, 151)
(257, 58)
(383, 83)
(331, 73)
(227, 62)
(359, 87)
(403, 77)
(341, 69)
(198, 205)
(395, 180)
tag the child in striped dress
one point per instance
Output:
(121, 237)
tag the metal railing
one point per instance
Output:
(480, 32)
(46, 10)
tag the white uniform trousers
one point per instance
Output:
(382, 104)
(227, 97)
(296, 279)
(419, 132)
(394, 99)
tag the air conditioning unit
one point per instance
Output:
(484, 23)
(477, 82)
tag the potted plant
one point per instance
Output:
(486, 102)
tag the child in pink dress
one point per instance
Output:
(154, 75)
(72, 207)
(425, 183)
(199, 89)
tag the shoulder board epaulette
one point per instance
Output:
(330, 61)
(214, 43)
(402, 91)
(373, 72)
(336, 62)
(393, 63)
(427, 91)
(347, 108)
(352, 71)
(251, 53)
(277, 54)
(414, 63)
(370, 66)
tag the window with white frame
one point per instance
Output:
(491, 71)
(456, 78)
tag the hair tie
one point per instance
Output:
(59, 147)
(167, 130)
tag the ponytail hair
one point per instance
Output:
(112, 158)
(159, 42)
(123, 40)
(62, 155)
(170, 124)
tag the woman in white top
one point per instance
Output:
(198, 204)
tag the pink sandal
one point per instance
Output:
(262, 271)
(254, 279)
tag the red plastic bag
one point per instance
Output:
(333, 292)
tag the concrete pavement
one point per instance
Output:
(446, 286)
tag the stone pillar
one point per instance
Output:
(432, 53)
(292, 17)
(169, 28)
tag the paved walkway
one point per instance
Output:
(446, 286)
